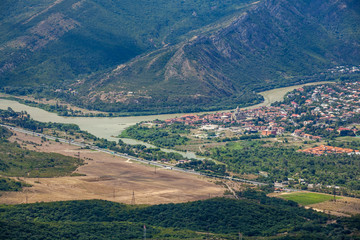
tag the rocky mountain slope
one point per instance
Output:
(47, 41)
(217, 62)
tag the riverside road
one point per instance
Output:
(124, 155)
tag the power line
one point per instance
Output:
(133, 198)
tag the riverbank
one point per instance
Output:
(107, 127)
(62, 108)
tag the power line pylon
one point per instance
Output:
(133, 199)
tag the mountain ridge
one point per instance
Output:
(251, 46)
(209, 65)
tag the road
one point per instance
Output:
(126, 156)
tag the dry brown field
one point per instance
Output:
(346, 206)
(110, 178)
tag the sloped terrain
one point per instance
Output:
(173, 56)
(275, 43)
(48, 41)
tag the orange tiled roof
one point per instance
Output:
(327, 149)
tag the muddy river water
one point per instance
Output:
(110, 127)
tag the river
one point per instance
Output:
(110, 127)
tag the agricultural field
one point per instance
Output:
(307, 198)
(107, 177)
(342, 207)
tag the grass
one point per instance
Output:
(305, 198)
(18, 162)
(349, 138)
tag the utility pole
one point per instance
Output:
(144, 232)
(133, 199)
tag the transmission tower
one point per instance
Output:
(144, 232)
(133, 199)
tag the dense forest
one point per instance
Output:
(207, 167)
(162, 136)
(253, 215)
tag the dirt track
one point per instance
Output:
(111, 178)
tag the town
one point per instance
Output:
(311, 121)
(310, 113)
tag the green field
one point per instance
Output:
(305, 198)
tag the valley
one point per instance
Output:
(107, 127)
(272, 97)
(187, 119)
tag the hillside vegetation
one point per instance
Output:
(15, 161)
(172, 56)
(53, 41)
(18, 162)
(254, 215)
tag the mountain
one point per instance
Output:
(50, 41)
(173, 56)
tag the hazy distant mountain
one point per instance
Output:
(173, 55)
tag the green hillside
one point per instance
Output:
(255, 215)
(16, 161)
(172, 56)
(273, 44)
(46, 41)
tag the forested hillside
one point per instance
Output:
(172, 56)
(254, 215)
(48, 41)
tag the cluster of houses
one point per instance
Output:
(259, 120)
(70, 90)
(284, 185)
(337, 102)
(302, 134)
(344, 69)
(321, 150)
(325, 104)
